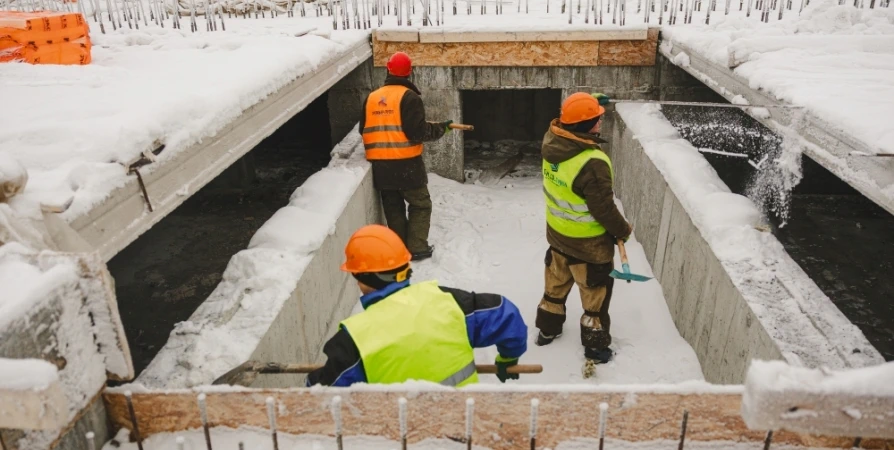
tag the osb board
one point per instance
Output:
(510, 54)
(441, 414)
(630, 53)
(595, 34)
(524, 54)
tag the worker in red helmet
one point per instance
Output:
(393, 127)
(421, 331)
(583, 225)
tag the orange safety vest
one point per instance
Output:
(383, 133)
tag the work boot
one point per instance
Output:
(425, 254)
(598, 355)
(545, 340)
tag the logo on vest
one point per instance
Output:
(554, 167)
(382, 102)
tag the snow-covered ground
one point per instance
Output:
(75, 126)
(835, 60)
(493, 239)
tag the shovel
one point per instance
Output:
(245, 373)
(626, 275)
(461, 127)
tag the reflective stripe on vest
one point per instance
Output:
(383, 133)
(566, 212)
(417, 333)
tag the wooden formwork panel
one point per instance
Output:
(441, 414)
(634, 52)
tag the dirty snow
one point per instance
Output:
(777, 376)
(806, 325)
(224, 331)
(493, 239)
(805, 60)
(77, 125)
(26, 374)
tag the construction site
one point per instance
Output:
(180, 180)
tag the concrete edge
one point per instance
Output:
(825, 145)
(717, 313)
(123, 216)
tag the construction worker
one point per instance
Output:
(414, 332)
(393, 129)
(583, 224)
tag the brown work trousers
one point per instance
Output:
(410, 223)
(595, 286)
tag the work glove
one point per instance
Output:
(446, 124)
(503, 365)
(604, 100)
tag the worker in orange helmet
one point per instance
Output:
(583, 225)
(393, 127)
(414, 332)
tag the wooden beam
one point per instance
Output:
(632, 416)
(386, 35)
(441, 36)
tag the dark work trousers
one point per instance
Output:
(411, 222)
(595, 286)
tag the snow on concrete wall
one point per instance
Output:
(733, 291)
(60, 308)
(281, 297)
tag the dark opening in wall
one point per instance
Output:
(838, 236)
(162, 277)
(507, 121)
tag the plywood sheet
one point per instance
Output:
(442, 35)
(630, 53)
(441, 414)
(511, 54)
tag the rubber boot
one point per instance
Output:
(425, 254)
(545, 340)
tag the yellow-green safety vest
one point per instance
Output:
(566, 212)
(416, 333)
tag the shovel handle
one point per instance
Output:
(623, 251)
(461, 127)
(481, 368)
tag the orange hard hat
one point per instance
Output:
(399, 64)
(374, 248)
(580, 107)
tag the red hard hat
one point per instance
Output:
(399, 64)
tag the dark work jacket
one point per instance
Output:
(491, 319)
(594, 185)
(405, 174)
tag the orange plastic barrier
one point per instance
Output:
(44, 37)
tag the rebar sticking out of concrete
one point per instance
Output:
(271, 416)
(768, 440)
(181, 443)
(683, 429)
(336, 417)
(603, 416)
(91, 440)
(133, 419)
(203, 412)
(535, 404)
(402, 418)
(470, 412)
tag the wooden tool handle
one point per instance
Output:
(623, 251)
(460, 126)
(481, 368)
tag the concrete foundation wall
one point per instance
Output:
(707, 308)
(322, 298)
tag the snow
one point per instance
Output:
(493, 239)
(78, 125)
(225, 330)
(26, 286)
(802, 321)
(776, 376)
(13, 177)
(27, 374)
(835, 60)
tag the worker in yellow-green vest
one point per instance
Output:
(414, 332)
(583, 224)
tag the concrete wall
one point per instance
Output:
(441, 88)
(707, 308)
(323, 296)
